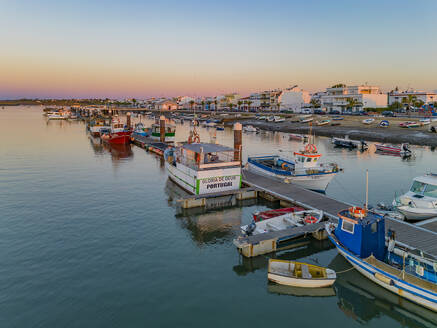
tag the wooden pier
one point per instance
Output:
(423, 238)
(150, 144)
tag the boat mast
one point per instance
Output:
(367, 188)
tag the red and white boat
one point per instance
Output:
(298, 137)
(118, 135)
(402, 150)
(261, 216)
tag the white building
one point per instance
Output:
(166, 105)
(294, 99)
(400, 97)
(339, 96)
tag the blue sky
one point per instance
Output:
(143, 48)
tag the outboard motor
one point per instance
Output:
(250, 228)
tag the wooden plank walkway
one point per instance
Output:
(423, 238)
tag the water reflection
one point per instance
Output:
(118, 152)
(300, 291)
(96, 145)
(303, 247)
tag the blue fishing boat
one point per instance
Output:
(360, 237)
(384, 124)
(140, 130)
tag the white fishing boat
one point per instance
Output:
(323, 122)
(368, 121)
(57, 116)
(299, 274)
(278, 119)
(282, 222)
(420, 202)
(249, 128)
(425, 121)
(304, 170)
(262, 118)
(306, 119)
(203, 168)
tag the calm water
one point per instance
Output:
(90, 237)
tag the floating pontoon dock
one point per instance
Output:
(423, 238)
(150, 144)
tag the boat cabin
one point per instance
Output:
(205, 156)
(308, 157)
(425, 186)
(361, 232)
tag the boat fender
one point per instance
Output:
(310, 219)
(250, 228)
(358, 212)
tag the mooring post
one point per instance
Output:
(238, 139)
(162, 128)
(128, 120)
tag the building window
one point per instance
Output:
(347, 226)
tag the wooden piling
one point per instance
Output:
(162, 128)
(238, 140)
(128, 120)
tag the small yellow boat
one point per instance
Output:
(299, 274)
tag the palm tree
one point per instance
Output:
(191, 104)
(215, 104)
(279, 106)
(315, 103)
(208, 102)
(230, 106)
(203, 104)
(352, 103)
(409, 101)
(249, 102)
(239, 103)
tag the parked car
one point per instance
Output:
(319, 112)
(335, 112)
(388, 113)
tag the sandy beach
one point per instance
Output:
(355, 129)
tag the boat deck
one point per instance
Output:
(289, 233)
(420, 237)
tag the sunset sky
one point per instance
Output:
(138, 49)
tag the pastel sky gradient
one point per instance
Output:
(138, 49)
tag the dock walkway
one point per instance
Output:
(423, 237)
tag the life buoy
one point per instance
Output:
(310, 219)
(284, 166)
(358, 212)
(311, 148)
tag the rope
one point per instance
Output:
(340, 272)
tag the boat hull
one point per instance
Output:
(205, 182)
(388, 281)
(316, 182)
(416, 214)
(298, 282)
(117, 138)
